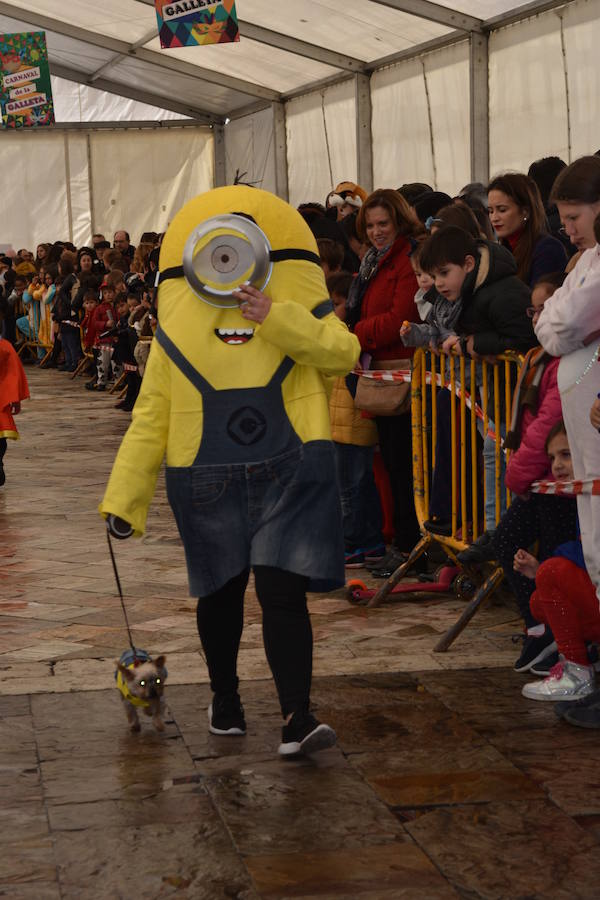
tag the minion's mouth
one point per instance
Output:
(235, 336)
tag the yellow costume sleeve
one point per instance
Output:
(133, 479)
(326, 344)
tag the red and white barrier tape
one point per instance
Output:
(404, 375)
(567, 488)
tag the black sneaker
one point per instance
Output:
(482, 550)
(535, 649)
(304, 734)
(542, 668)
(565, 706)
(392, 562)
(436, 525)
(226, 715)
(584, 716)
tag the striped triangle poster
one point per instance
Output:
(187, 23)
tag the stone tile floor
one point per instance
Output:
(445, 783)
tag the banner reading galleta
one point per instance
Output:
(25, 89)
(188, 23)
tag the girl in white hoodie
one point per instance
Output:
(569, 327)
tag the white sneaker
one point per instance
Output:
(566, 681)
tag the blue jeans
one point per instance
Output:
(30, 334)
(361, 507)
(282, 512)
(71, 341)
(489, 469)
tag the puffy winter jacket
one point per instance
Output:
(348, 425)
(530, 462)
(495, 304)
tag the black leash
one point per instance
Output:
(118, 580)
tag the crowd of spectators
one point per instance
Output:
(507, 266)
(84, 309)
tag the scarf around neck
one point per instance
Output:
(368, 269)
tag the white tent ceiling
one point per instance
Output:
(287, 46)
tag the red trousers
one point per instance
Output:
(565, 599)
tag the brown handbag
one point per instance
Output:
(384, 398)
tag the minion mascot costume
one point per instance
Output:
(234, 393)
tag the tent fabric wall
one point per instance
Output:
(321, 142)
(141, 178)
(420, 120)
(249, 149)
(138, 181)
(531, 113)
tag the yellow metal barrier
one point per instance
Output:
(480, 398)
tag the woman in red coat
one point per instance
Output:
(381, 299)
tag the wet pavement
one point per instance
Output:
(445, 783)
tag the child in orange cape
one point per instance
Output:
(13, 389)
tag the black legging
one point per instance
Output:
(395, 443)
(287, 633)
(544, 518)
(3, 444)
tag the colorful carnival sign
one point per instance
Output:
(187, 23)
(25, 90)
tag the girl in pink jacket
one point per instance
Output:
(550, 520)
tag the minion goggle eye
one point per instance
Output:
(223, 253)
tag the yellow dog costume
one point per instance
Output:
(241, 412)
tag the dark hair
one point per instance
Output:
(402, 215)
(428, 205)
(103, 245)
(114, 278)
(557, 429)
(460, 215)
(340, 283)
(331, 253)
(449, 245)
(149, 237)
(126, 233)
(6, 261)
(481, 214)
(91, 294)
(348, 226)
(66, 264)
(523, 191)
(554, 279)
(579, 182)
(24, 278)
(545, 172)
(414, 189)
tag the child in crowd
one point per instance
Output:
(103, 322)
(481, 277)
(332, 256)
(564, 599)
(426, 294)
(88, 329)
(536, 409)
(123, 356)
(354, 438)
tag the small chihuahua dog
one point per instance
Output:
(141, 682)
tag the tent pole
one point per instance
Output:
(280, 151)
(364, 135)
(220, 177)
(479, 114)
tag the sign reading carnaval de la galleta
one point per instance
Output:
(25, 88)
(186, 23)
